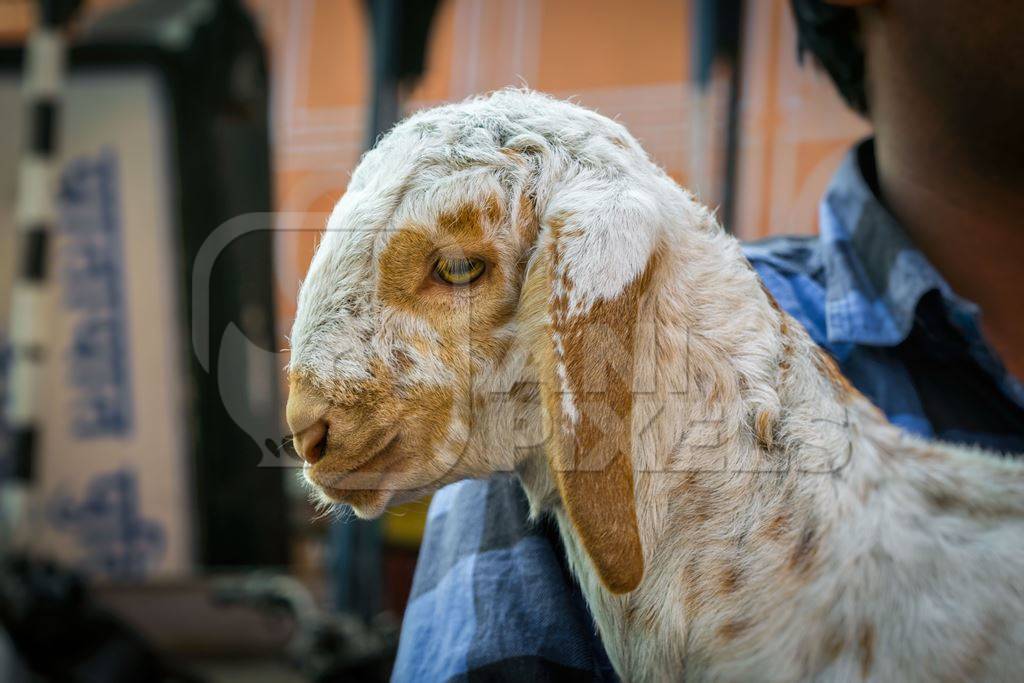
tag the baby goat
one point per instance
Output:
(510, 284)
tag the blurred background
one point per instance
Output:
(201, 145)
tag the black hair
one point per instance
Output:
(831, 34)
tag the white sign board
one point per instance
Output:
(113, 493)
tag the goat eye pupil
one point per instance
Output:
(459, 271)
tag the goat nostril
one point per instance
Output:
(311, 442)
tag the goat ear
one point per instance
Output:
(594, 275)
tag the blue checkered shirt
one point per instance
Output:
(492, 598)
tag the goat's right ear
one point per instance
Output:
(588, 284)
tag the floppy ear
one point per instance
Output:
(595, 268)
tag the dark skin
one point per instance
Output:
(945, 83)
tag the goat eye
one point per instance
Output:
(458, 271)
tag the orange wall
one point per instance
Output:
(795, 127)
(629, 60)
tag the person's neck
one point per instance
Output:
(965, 215)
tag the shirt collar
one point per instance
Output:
(874, 276)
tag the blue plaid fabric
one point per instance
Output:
(492, 598)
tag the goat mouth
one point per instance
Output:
(369, 474)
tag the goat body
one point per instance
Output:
(789, 531)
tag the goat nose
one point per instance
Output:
(311, 442)
(307, 417)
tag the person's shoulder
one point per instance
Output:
(791, 268)
(785, 253)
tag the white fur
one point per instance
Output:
(917, 569)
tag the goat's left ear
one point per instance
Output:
(596, 265)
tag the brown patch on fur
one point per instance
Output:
(701, 512)
(493, 209)
(474, 312)
(802, 557)
(467, 221)
(866, 490)
(649, 620)
(697, 500)
(403, 361)
(558, 221)
(644, 617)
(592, 459)
(691, 482)
(527, 220)
(831, 645)
(767, 292)
(948, 501)
(942, 500)
(866, 648)
(827, 366)
(406, 261)
(764, 430)
(715, 393)
(630, 612)
(778, 526)
(403, 266)
(524, 392)
(784, 331)
(693, 593)
(734, 628)
(978, 652)
(730, 579)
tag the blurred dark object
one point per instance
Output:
(57, 12)
(212, 65)
(399, 30)
(325, 647)
(60, 634)
(717, 29)
(831, 33)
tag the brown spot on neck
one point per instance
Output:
(764, 431)
(778, 526)
(734, 628)
(866, 649)
(803, 555)
(976, 651)
(730, 580)
(831, 645)
(693, 591)
(945, 499)
(645, 617)
(767, 292)
(557, 222)
(844, 391)
(698, 502)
